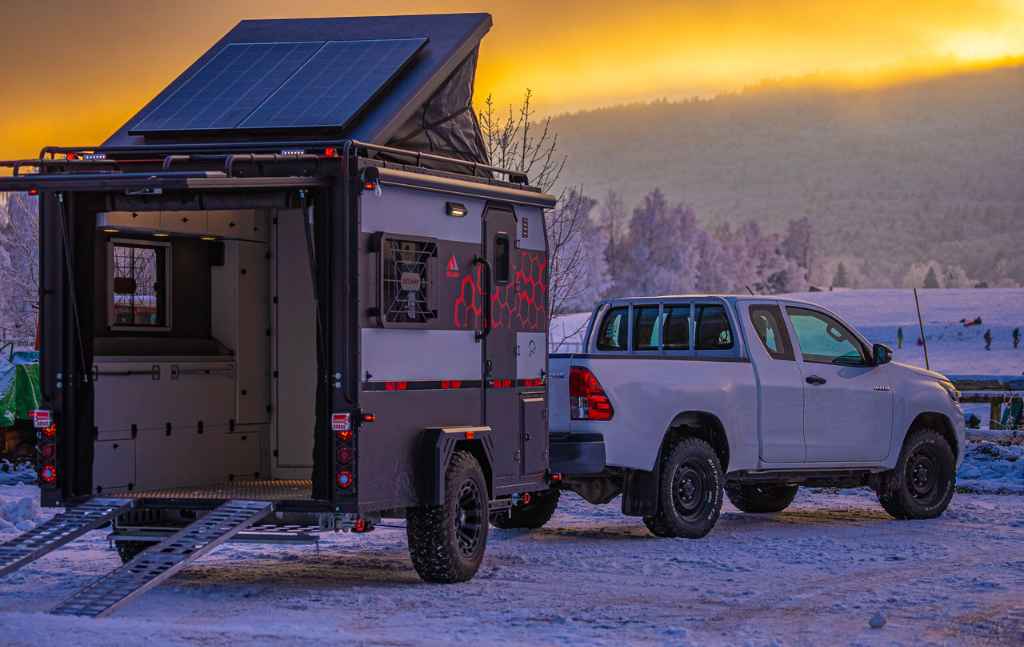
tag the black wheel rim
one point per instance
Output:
(469, 518)
(691, 485)
(923, 477)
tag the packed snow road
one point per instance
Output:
(817, 573)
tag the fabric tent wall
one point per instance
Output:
(446, 123)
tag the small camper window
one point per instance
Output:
(139, 285)
(502, 258)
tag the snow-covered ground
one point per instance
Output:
(878, 314)
(814, 574)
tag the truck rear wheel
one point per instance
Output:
(530, 515)
(922, 484)
(761, 498)
(447, 542)
(690, 491)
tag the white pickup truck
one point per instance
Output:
(675, 400)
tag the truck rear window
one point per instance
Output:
(646, 331)
(771, 330)
(713, 331)
(677, 327)
(614, 333)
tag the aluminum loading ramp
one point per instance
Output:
(161, 561)
(59, 530)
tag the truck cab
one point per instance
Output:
(675, 400)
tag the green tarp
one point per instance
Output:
(19, 387)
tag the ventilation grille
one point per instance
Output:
(406, 280)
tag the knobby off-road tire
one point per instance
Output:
(689, 492)
(532, 515)
(129, 550)
(761, 498)
(922, 484)
(447, 542)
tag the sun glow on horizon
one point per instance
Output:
(574, 55)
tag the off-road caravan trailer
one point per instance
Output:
(290, 295)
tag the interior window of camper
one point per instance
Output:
(139, 285)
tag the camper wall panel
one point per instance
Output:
(252, 350)
(530, 229)
(394, 464)
(127, 394)
(294, 350)
(404, 354)
(242, 453)
(113, 464)
(399, 210)
(531, 355)
(183, 458)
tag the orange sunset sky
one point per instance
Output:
(73, 71)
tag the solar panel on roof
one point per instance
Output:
(228, 88)
(335, 84)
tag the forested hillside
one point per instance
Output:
(931, 170)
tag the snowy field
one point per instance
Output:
(815, 574)
(878, 314)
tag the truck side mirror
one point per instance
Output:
(881, 354)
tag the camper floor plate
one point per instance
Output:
(250, 490)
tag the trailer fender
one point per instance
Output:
(440, 443)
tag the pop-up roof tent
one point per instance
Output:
(404, 81)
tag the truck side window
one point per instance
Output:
(646, 331)
(823, 340)
(713, 331)
(677, 327)
(771, 329)
(502, 258)
(614, 330)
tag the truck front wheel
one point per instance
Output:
(689, 492)
(530, 515)
(761, 498)
(447, 542)
(922, 484)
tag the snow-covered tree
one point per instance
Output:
(797, 244)
(841, 279)
(615, 222)
(19, 265)
(931, 280)
(661, 256)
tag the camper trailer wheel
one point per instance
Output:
(446, 542)
(530, 515)
(129, 550)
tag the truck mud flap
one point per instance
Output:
(161, 561)
(59, 530)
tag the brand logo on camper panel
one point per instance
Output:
(453, 268)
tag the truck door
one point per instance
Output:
(848, 403)
(500, 405)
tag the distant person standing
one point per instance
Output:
(988, 339)
(1016, 338)
(899, 337)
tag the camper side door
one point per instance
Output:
(500, 396)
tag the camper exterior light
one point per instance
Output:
(455, 209)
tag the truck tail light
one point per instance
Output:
(345, 455)
(587, 399)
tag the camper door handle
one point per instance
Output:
(482, 334)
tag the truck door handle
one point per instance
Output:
(815, 380)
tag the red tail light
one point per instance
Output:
(344, 479)
(587, 399)
(345, 455)
(48, 452)
(48, 474)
